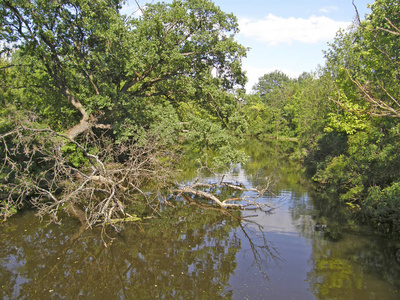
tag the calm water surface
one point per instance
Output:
(304, 249)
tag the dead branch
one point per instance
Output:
(36, 169)
(381, 107)
(263, 250)
(193, 191)
(197, 189)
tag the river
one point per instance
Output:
(305, 248)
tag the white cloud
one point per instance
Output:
(328, 9)
(275, 30)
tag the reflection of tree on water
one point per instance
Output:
(349, 261)
(331, 217)
(263, 251)
(270, 161)
(350, 269)
(188, 253)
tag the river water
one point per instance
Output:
(305, 248)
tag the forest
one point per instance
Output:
(97, 108)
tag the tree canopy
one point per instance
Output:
(94, 100)
(345, 116)
(101, 64)
(92, 92)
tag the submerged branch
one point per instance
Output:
(196, 189)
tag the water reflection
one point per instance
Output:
(354, 268)
(192, 255)
(189, 253)
(305, 249)
(350, 261)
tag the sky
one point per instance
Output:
(286, 35)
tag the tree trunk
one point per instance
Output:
(84, 123)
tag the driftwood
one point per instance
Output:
(127, 219)
(199, 190)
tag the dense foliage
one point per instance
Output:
(84, 61)
(88, 94)
(346, 116)
(364, 63)
(86, 90)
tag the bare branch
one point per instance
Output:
(97, 195)
(357, 14)
(196, 190)
(384, 109)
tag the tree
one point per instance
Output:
(275, 91)
(101, 63)
(271, 82)
(95, 100)
(358, 154)
(380, 46)
(366, 59)
(308, 107)
(66, 41)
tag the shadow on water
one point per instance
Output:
(306, 248)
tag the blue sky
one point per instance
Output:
(286, 35)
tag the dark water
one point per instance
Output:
(305, 249)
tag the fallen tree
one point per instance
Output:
(208, 191)
(84, 85)
(97, 180)
(92, 178)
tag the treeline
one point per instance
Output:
(345, 115)
(96, 105)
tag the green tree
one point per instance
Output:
(309, 105)
(103, 64)
(266, 108)
(101, 93)
(270, 84)
(363, 166)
